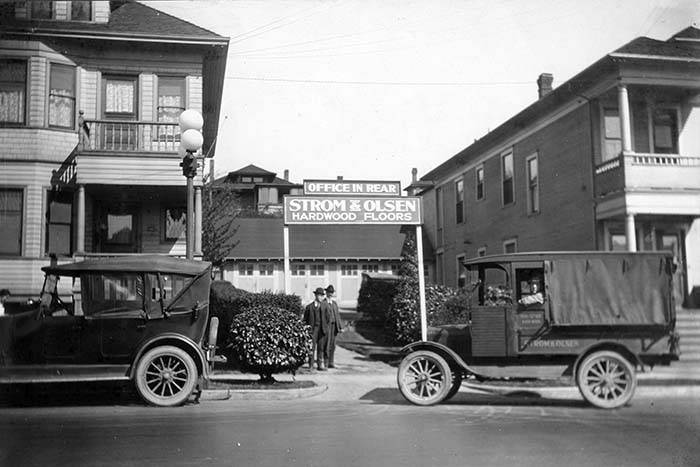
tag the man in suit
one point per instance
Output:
(317, 315)
(335, 324)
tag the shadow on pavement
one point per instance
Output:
(516, 398)
(68, 394)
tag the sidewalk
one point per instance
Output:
(367, 371)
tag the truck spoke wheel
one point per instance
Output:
(424, 378)
(606, 379)
(166, 376)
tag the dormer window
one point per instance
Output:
(74, 10)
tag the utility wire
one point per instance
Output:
(381, 83)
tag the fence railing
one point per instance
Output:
(129, 136)
(645, 170)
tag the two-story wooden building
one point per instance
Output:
(608, 160)
(90, 94)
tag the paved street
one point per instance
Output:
(379, 429)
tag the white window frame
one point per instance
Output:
(510, 241)
(353, 268)
(314, 268)
(530, 208)
(298, 269)
(266, 269)
(246, 269)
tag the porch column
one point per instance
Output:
(198, 220)
(630, 233)
(625, 124)
(80, 220)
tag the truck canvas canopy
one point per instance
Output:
(611, 289)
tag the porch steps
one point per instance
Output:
(688, 327)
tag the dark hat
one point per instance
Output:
(330, 289)
(319, 291)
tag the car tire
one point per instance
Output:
(606, 379)
(424, 378)
(166, 376)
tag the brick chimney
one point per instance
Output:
(414, 174)
(286, 174)
(544, 84)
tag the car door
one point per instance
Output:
(115, 321)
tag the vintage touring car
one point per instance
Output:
(140, 318)
(597, 317)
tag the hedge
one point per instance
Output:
(376, 295)
(226, 301)
(267, 340)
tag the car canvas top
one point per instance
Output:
(137, 263)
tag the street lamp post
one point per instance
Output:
(191, 140)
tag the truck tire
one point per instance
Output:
(166, 376)
(424, 378)
(606, 379)
(456, 384)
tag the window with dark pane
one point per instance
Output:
(480, 183)
(58, 223)
(13, 86)
(81, 10)
(507, 174)
(459, 204)
(11, 208)
(62, 96)
(42, 9)
(665, 131)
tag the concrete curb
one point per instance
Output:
(262, 394)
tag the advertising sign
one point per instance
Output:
(352, 210)
(351, 188)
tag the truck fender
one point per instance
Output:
(454, 360)
(176, 340)
(606, 345)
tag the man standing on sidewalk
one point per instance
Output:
(317, 315)
(335, 325)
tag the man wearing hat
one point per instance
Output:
(317, 314)
(335, 325)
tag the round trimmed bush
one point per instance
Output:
(268, 340)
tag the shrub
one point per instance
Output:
(443, 304)
(226, 301)
(268, 340)
(376, 295)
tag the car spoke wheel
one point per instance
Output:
(424, 378)
(606, 379)
(166, 376)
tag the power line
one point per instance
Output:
(381, 83)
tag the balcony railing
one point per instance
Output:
(129, 136)
(647, 171)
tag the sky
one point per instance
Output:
(369, 89)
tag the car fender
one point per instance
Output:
(178, 340)
(453, 358)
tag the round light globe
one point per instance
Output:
(191, 119)
(191, 140)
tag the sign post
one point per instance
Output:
(356, 202)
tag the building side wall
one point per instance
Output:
(566, 217)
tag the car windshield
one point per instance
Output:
(49, 289)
